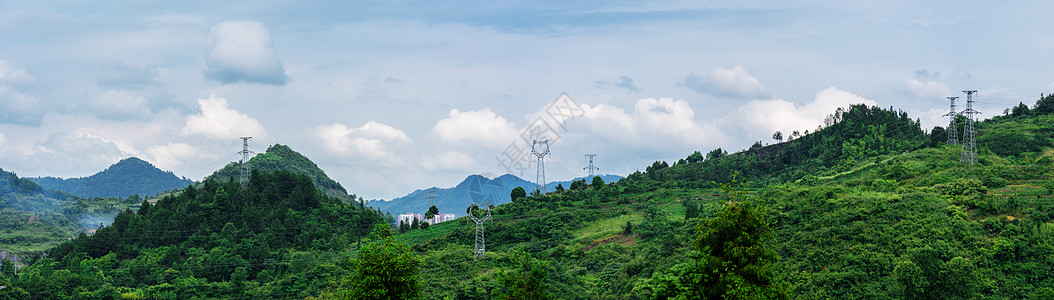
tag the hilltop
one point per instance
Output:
(281, 157)
(130, 176)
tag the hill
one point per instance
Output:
(281, 157)
(34, 219)
(858, 218)
(214, 241)
(474, 189)
(130, 176)
(878, 209)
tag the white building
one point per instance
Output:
(408, 218)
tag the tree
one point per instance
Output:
(519, 193)
(695, 157)
(432, 212)
(716, 153)
(756, 145)
(385, 270)
(731, 260)
(778, 136)
(559, 187)
(578, 184)
(597, 182)
(526, 280)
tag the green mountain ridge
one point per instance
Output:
(130, 176)
(281, 157)
(870, 206)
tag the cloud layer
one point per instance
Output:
(242, 51)
(728, 83)
(219, 122)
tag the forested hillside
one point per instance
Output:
(130, 176)
(868, 206)
(278, 238)
(34, 219)
(281, 157)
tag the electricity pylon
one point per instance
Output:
(540, 180)
(480, 247)
(244, 180)
(953, 132)
(969, 152)
(591, 168)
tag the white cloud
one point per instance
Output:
(761, 118)
(449, 161)
(218, 121)
(83, 151)
(652, 120)
(932, 90)
(118, 104)
(482, 127)
(243, 51)
(19, 108)
(731, 83)
(168, 156)
(11, 74)
(371, 140)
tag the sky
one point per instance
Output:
(392, 96)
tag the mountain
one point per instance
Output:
(866, 207)
(130, 176)
(34, 219)
(210, 241)
(281, 157)
(474, 189)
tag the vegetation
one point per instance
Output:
(281, 157)
(869, 206)
(130, 176)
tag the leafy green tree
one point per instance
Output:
(432, 212)
(519, 193)
(578, 184)
(778, 136)
(526, 280)
(597, 182)
(560, 188)
(386, 269)
(756, 145)
(716, 153)
(695, 157)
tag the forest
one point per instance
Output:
(870, 205)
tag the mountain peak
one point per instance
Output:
(282, 157)
(129, 176)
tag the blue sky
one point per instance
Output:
(389, 97)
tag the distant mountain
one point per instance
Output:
(33, 218)
(130, 176)
(281, 157)
(474, 189)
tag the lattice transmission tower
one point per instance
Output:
(540, 179)
(481, 246)
(969, 149)
(244, 180)
(953, 131)
(591, 168)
